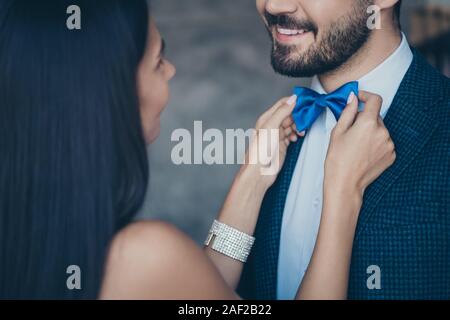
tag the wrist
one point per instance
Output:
(342, 204)
(341, 194)
(347, 185)
(251, 175)
(242, 204)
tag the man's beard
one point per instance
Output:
(339, 43)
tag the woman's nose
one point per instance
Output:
(172, 70)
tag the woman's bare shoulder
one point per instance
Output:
(152, 237)
(155, 260)
(142, 256)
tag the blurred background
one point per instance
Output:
(224, 78)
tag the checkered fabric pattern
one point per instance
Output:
(404, 224)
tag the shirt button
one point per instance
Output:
(316, 202)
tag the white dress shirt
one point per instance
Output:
(303, 208)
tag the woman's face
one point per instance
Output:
(153, 83)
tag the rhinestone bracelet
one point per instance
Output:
(229, 241)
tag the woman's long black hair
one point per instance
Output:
(73, 162)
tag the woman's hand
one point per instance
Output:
(361, 148)
(275, 130)
(243, 203)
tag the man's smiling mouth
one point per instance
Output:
(290, 32)
(289, 36)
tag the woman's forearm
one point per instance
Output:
(240, 211)
(327, 274)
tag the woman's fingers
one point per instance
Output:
(291, 129)
(288, 131)
(266, 116)
(288, 122)
(291, 133)
(349, 114)
(367, 146)
(293, 137)
(284, 111)
(300, 134)
(280, 116)
(372, 104)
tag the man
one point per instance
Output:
(402, 244)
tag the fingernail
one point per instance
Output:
(292, 100)
(351, 97)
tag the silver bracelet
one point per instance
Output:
(229, 241)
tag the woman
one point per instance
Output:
(77, 108)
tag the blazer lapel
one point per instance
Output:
(410, 126)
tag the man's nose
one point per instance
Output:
(279, 7)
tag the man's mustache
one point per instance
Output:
(287, 22)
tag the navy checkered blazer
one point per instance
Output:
(404, 224)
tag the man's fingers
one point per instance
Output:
(349, 114)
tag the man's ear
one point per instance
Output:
(386, 4)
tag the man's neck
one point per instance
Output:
(381, 44)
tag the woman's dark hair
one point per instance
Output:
(73, 161)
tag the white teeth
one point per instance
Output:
(289, 32)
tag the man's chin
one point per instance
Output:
(289, 61)
(292, 69)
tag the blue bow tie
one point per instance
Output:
(311, 104)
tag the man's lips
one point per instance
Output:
(285, 35)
